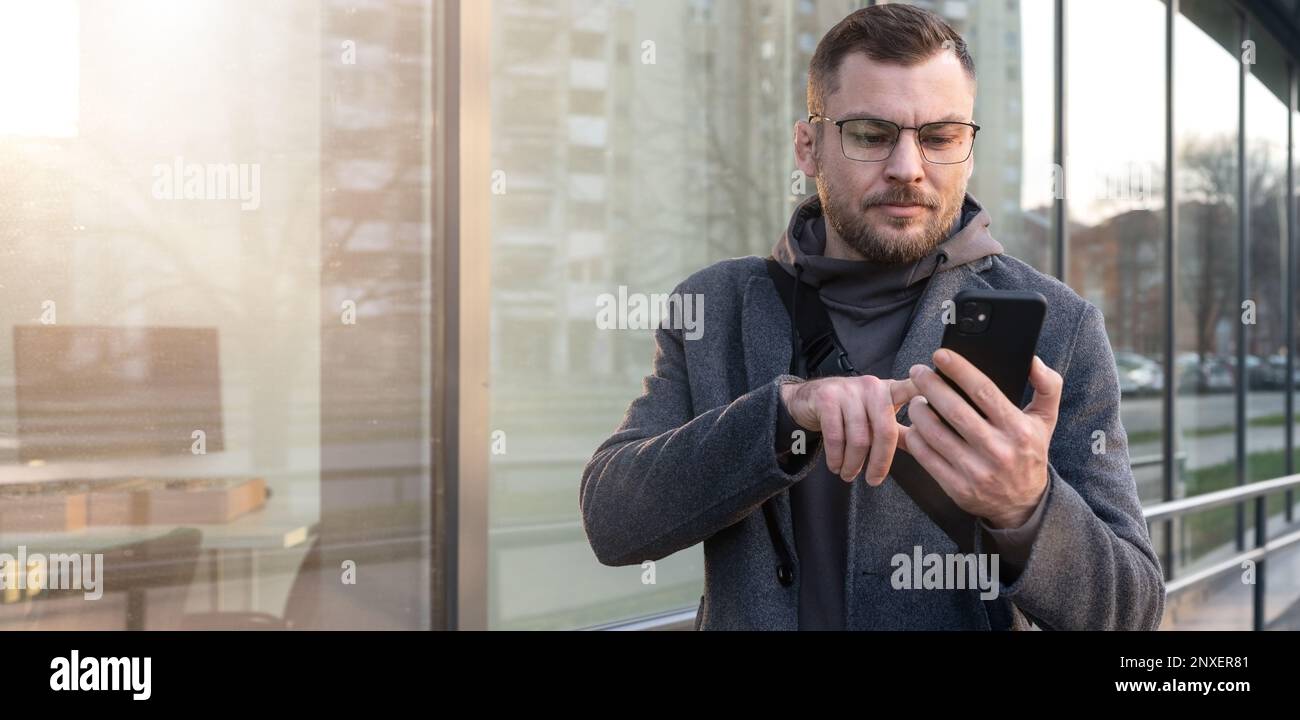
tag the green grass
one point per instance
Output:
(1153, 435)
(1212, 528)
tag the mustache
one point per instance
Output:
(901, 196)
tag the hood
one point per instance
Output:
(860, 283)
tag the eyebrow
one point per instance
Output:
(867, 115)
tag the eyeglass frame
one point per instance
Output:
(813, 117)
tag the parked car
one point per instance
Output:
(1138, 374)
(1276, 372)
(1217, 375)
(1212, 374)
(1259, 374)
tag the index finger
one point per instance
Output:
(982, 392)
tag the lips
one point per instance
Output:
(901, 211)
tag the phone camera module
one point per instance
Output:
(974, 317)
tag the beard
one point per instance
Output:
(895, 240)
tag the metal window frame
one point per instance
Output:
(1243, 277)
(1168, 409)
(466, 272)
(1289, 401)
(1060, 207)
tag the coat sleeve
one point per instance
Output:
(668, 478)
(1091, 566)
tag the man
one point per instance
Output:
(890, 236)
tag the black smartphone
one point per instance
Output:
(997, 331)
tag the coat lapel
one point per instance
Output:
(765, 332)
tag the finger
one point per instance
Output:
(884, 432)
(1047, 384)
(940, 469)
(937, 435)
(982, 391)
(901, 391)
(830, 417)
(857, 433)
(951, 406)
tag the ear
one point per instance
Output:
(970, 167)
(805, 138)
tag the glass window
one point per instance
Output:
(1115, 198)
(1207, 312)
(695, 154)
(1014, 49)
(217, 286)
(1267, 98)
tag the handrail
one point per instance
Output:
(1184, 506)
(1178, 585)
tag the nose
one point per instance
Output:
(905, 165)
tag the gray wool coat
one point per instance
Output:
(693, 461)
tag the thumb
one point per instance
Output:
(1047, 384)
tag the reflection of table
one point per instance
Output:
(213, 465)
(268, 529)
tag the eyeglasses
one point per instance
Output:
(873, 140)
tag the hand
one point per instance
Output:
(994, 468)
(855, 416)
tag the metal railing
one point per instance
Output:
(1168, 512)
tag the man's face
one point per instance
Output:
(894, 210)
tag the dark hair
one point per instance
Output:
(900, 34)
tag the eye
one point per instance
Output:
(871, 139)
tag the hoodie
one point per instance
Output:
(871, 307)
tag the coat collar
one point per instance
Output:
(764, 317)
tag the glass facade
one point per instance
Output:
(220, 310)
(656, 149)
(249, 340)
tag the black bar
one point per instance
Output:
(1261, 571)
(356, 671)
